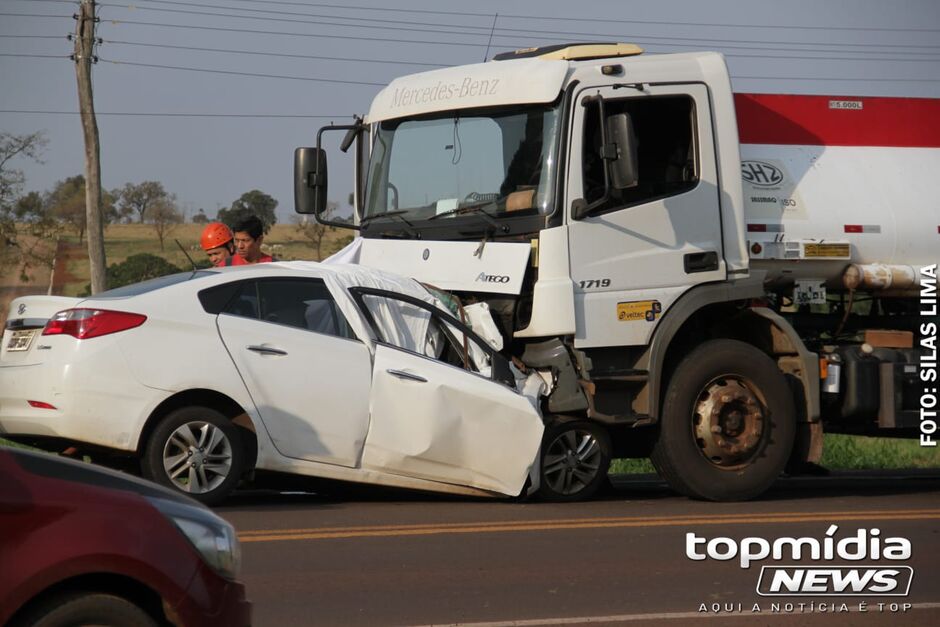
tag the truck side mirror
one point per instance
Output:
(310, 180)
(623, 164)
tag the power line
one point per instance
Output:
(58, 17)
(35, 36)
(296, 21)
(234, 73)
(525, 33)
(35, 56)
(483, 29)
(837, 78)
(267, 32)
(73, 2)
(270, 54)
(721, 40)
(178, 115)
(589, 19)
(354, 7)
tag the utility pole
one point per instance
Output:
(84, 57)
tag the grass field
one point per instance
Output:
(842, 452)
(284, 241)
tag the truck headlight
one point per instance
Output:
(212, 537)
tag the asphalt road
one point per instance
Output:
(380, 558)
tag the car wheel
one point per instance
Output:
(727, 425)
(574, 460)
(197, 451)
(86, 608)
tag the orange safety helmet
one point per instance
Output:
(215, 235)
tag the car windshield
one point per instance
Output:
(143, 287)
(500, 162)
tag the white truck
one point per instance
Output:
(709, 278)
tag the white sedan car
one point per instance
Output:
(331, 371)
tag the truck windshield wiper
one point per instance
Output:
(392, 214)
(476, 210)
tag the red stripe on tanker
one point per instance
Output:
(851, 174)
(838, 120)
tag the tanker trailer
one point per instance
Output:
(842, 210)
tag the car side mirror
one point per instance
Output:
(622, 156)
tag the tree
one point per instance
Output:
(136, 268)
(314, 231)
(139, 198)
(253, 203)
(67, 203)
(200, 217)
(164, 216)
(16, 209)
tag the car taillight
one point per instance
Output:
(88, 323)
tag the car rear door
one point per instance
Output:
(443, 404)
(308, 375)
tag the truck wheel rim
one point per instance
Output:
(572, 461)
(197, 457)
(729, 422)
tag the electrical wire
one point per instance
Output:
(270, 54)
(235, 73)
(282, 33)
(532, 34)
(605, 20)
(482, 29)
(178, 115)
(35, 56)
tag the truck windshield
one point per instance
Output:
(501, 163)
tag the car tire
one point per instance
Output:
(197, 451)
(574, 460)
(727, 425)
(86, 608)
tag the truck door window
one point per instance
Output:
(666, 150)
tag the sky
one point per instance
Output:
(210, 97)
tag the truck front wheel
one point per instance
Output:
(727, 424)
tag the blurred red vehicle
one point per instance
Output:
(84, 545)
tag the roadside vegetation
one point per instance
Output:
(841, 452)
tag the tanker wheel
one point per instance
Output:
(727, 425)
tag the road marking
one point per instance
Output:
(331, 533)
(632, 618)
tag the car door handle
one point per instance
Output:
(401, 374)
(266, 350)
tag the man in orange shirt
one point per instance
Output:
(249, 234)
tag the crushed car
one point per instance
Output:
(326, 370)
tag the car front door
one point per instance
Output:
(307, 374)
(443, 404)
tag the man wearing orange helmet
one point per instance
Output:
(217, 241)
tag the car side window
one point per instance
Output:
(243, 301)
(303, 304)
(666, 150)
(424, 330)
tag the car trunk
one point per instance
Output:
(25, 321)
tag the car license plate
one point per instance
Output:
(20, 340)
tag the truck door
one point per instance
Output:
(640, 248)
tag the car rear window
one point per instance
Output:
(143, 287)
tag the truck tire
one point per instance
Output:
(727, 424)
(197, 451)
(575, 457)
